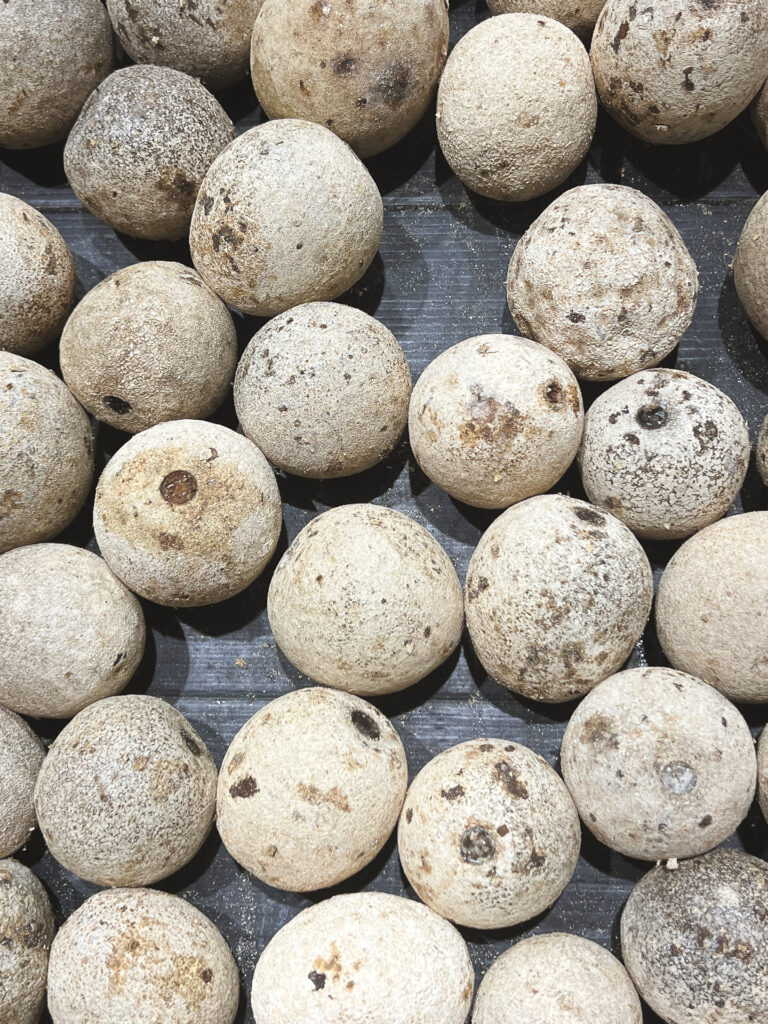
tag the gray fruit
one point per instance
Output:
(37, 278)
(578, 15)
(323, 389)
(761, 452)
(759, 112)
(365, 956)
(516, 106)
(710, 607)
(149, 344)
(70, 632)
(21, 755)
(52, 54)
(287, 214)
(762, 772)
(695, 939)
(366, 600)
(489, 836)
(665, 452)
(603, 278)
(557, 594)
(126, 794)
(659, 764)
(46, 453)
(26, 933)
(750, 275)
(142, 956)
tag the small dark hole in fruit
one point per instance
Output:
(118, 405)
(178, 487)
(476, 845)
(317, 979)
(553, 393)
(652, 416)
(192, 745)
(365, 725)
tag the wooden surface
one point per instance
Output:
(439, 278)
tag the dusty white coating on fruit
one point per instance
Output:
(26, 933)
(695, 939)
(712, 604)
(489, 836)
(142, 956)
(52, 54)
(761, 452)
(187, 513)
(72, 633)
(37, 278)
(516, 106)
(578, 15)
(665, 452)
(204, 38)
(659, 764)
(495, 419)
(287, 214)
(150, 343)
(762, 772)
(366, 600)
(310, 789)
(126, 794)
(46, 453)
(557, 979)
(141, 147)
(323, 389)
(366, 70)
(557, 594)
(750, 269)
(21, 754)
(673, 72)
(365, 956)
(603, 278)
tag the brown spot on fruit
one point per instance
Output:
(365, 725)
(318, 979)
(244, 789)
(511, 780)
(453, 793)
(476, 845)
(178, 487)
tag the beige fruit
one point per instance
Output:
(762, 772)
(21, 755)
(761, 452)
(749, 266)
(26, 933)
(578, 15)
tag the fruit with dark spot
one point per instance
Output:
(368, 68)
(578, 15)
(695, 939)
(750, 275)
(495, 419)
(141, 147)
(674, 781)
(26, 932)
(21, 755)
(310, 789)
(122, 797)
(502, 848)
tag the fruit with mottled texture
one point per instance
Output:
(26, 933)
(21, 755)
(750, 275)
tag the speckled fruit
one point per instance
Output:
(711, 607)
(665, 452)
(126, 794)
(495, 419)
(516, 106)
(679, 70)
(21, 754)
(761, 452)
(603, 278)
(578, 15)
(367, 71)
(695, 939)
(762, 772)
(46, 453)
(365, 600)
(37, 278)
(142, 956)
(310, 789)
(141, 147)
(26, 933)
(489, 836)
(187, 513)
(759, 111)
(71, 632)
(365, 956)
(750, 273)
(659, 764)
(557, 594)
(557, 979)
(323, 389)
(287, 214)
(149, 344)
(52, 54)
(207, 39)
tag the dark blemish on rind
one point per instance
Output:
(588, 515)
(553, 393)
(599, 730)
(453, 793)
(317, 979)
(117, 405)
(409, 815)
(576, 318)
(365, 725)
(427, 632)
(652, 416)
(244, 788)
(191, 743)
(502, 830)
(725, 722)
(632, 438)
(688, 84)
(344, 66)
(476, 845)
(207, 975)
(705, 821)
(207, 204)
(620, 35)
(118, 659)
(536, 859)
(485, 747)
(511, 781)
(178, 487)
(678, 777)
(392, 86)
